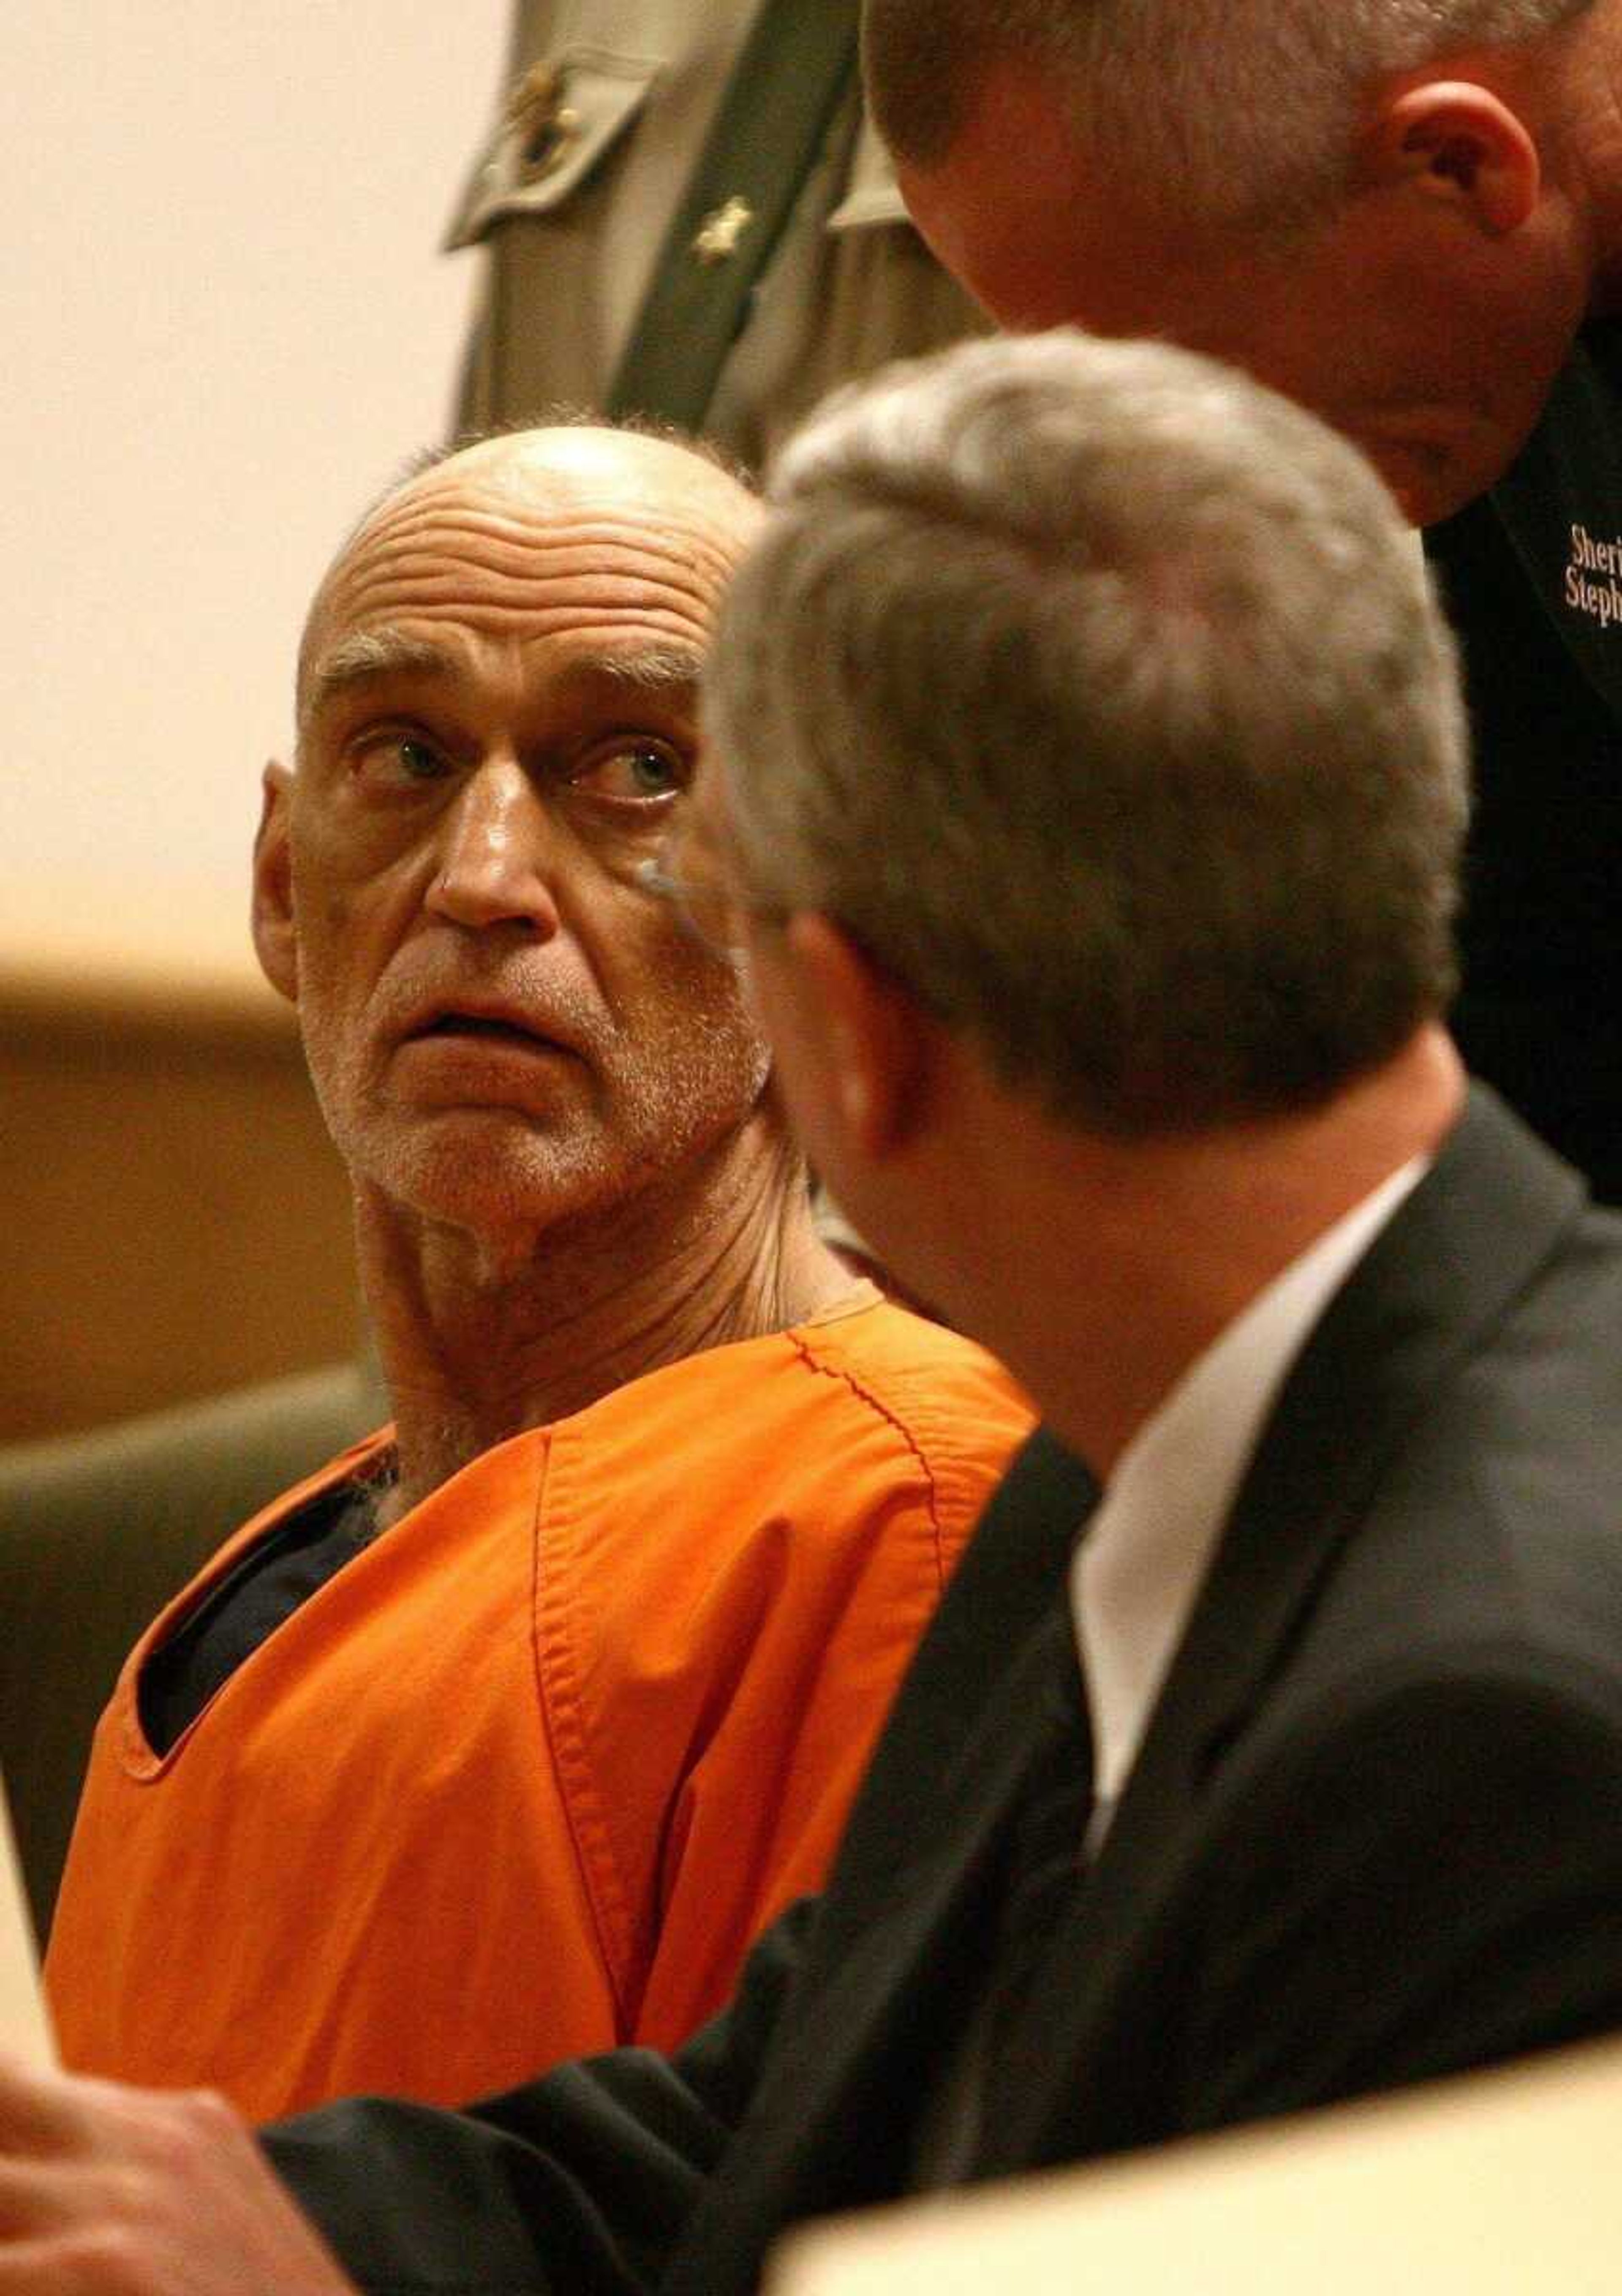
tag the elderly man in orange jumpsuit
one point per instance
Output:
(499, 1739)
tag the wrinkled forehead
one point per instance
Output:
(582, 533)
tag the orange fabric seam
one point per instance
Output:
(858, 1388)
(563, 1716)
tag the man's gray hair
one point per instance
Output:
(1102, 696)
(1245, 111)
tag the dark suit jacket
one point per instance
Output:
(1374, 1832)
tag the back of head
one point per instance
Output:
(1243, 110)
(1100, 694)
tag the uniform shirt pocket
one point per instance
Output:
(561, 122)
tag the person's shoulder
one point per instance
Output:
(1495, 1563)
(920, 1370)
(866, 1395)
(1458, 1646)
(1476, 1573)
(924, 1390)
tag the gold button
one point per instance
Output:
(717, 236)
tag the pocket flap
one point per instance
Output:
(563, 116)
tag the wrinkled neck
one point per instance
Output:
(479, 1339)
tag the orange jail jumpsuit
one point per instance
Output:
(526, 1776)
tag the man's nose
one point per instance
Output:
(497, 852)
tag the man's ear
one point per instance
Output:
(275, 936)
(1458, 141)
(876, 1040)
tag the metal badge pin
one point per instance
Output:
(545, 125)
(717, 236)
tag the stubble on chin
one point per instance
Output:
(501, 1171)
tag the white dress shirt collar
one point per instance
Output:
(1135, 1575)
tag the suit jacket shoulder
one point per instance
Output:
(1375, 1830)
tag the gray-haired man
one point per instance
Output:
(1087, 786)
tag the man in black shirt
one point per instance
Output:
(1409, 217)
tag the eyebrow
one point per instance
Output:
(645, 669)
(365, 656)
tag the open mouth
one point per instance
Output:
(482, 1029)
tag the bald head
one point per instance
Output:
(498, 724)
(511, 492)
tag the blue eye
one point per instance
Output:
(638, 773)
(385, 757)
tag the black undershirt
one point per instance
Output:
(272, 1582)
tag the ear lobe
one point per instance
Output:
(876, 1037)
(1459, 142)
(275, 935)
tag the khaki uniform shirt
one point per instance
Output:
(572, 233)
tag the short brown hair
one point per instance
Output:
(1246, 107)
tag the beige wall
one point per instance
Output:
(227, 322)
